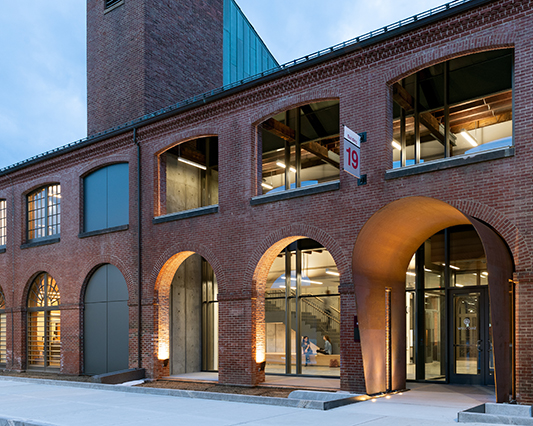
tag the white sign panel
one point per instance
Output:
(352, 150)
(352, 137)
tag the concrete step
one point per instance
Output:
(507, 414)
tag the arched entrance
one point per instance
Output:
(188, 314)
(302, 311)
(381, 257)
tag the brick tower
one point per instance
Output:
(144, 55)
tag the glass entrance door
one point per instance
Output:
(471, 348)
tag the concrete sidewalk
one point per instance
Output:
(62, 405)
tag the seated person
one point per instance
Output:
(328, 349)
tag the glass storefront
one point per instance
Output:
(302, 312)
(447, 314)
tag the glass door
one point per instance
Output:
(471, 348)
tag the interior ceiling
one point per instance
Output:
(474, 114)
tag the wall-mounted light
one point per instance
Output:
(192, 163)
(283, 166)
(266, 185)
(469, 138)
(396, 145)
(330, 272)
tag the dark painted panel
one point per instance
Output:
(97, 286)
(118, 195)
(117, 290)
(117, 336)
(95, 201)
(95, 348)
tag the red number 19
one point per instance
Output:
(353, 158)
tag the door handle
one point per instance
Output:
(479, 349)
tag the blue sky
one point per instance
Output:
(42, 46)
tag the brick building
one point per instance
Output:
(222, 233)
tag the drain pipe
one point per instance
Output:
(139, 251)
(12, 273)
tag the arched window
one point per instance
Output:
(2, 328)
(461, 106)
(44, 212)
(106, 198)
(44, 329)
(190, 175)
(300, 147)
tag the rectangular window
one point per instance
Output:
(44, 212)
(461, 106)
(3, 223)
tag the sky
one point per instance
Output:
(43, 57)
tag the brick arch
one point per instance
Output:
(94, 263)
(103, 162)
(261, 261)
(288, 102)
(39, 268)
(465, 46)
(171, 139)
(162, 275)
(42, 183)
(509, 232)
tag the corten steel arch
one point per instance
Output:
(381, 256)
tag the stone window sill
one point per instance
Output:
(103, 231)
(295, 193)
(200, 211)
(448, 163)
(40, 242)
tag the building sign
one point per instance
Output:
(352, 150)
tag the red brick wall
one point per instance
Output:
(148, 54)
(235, 239)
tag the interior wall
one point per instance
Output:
(183, 185)
(186, 318)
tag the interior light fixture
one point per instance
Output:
(303, 280)
(484, 274)
(330, 272)
(191, 163)
(411, 274)
(283, 166)
(396, 145)
(459, 285)
(469, 138)
(455, 267)
(266, 185)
